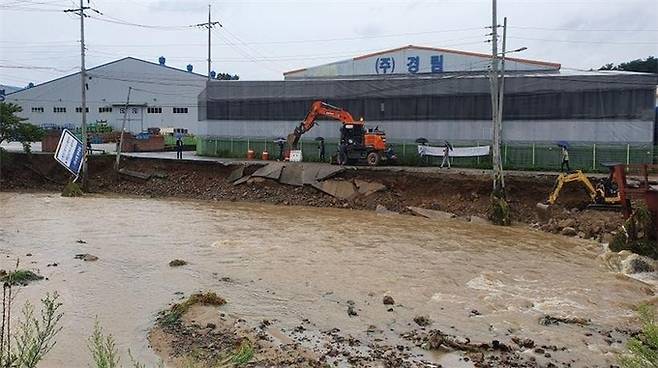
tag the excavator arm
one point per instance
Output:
(319, 109)
(567, 178)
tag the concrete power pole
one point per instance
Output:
(83, 83)
(501, 96)
(209, 43)
(209, 25)
(498, 183)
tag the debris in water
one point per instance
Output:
(86, 257)
(548, 320)
(388, 300)
(177, 263)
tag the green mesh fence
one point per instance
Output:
(517, 156)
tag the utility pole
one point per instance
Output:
(83, 83)
(501, 95)
(209, 25)
(498, 184)
(123, 128)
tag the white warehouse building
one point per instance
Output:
(161, 96)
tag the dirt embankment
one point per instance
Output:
(462, 194)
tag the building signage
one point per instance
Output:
(70, 152)
(413, 65)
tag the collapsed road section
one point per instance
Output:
(462, 194)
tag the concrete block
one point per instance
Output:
(367, 188)
(292, 174)
(236, 174)
(335, 188)
(431, 214)
(270, 171)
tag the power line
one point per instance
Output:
(114, 20)
(584, 42)
(584, 29)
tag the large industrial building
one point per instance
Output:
(440, 94)
(161, 96)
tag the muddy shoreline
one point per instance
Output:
(464, 195)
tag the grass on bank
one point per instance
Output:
(643, 349)
(174, 314)
(19, 277)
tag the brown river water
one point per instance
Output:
(287, 264)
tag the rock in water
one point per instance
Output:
(382, 210)
(422, 321)
(568, 231)
(636, 264)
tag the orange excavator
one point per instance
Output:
(357, 144)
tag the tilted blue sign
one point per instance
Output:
(70, 152)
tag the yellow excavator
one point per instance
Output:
(604, 194)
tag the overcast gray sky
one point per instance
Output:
(263, 38)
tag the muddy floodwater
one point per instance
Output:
(287, 264)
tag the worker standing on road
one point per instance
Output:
(179, 148)
(281, 143)
(321, 150)
(565, 158)
(446, 155)
(89, 144)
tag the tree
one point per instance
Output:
(648, 65)
(227, 76)
(14, 128)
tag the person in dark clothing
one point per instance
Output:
(89, 145)
(179, 148)
(342, 154)
(281, 143)
(321, 150)
(565, 159)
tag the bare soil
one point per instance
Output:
(464, 195)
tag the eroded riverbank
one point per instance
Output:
(301, 266)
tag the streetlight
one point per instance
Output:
(512, 51)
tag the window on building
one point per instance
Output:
(104, 109)
(37, 109)
(154, 110)
(59, 109)
(79, 109)
(180, 110)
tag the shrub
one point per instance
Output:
(637, 235)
